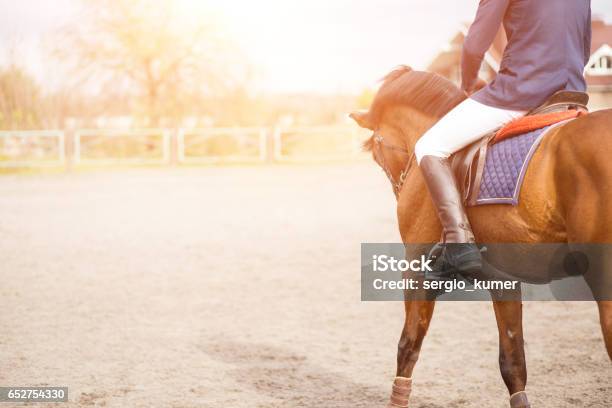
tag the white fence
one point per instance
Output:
(188, 146)
(113, 146)
(222, 145)
(324, 143)
(32, 148)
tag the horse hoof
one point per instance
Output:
(519, 400)
(400, 393)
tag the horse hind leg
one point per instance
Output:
(418, 317)
(605, 318)
(598, 277)
(599, 280)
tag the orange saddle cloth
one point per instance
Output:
(527, 124)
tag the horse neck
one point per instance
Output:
(416, 216)
(411, 122)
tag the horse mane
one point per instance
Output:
(426, 92)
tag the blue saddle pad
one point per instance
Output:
(505, 167)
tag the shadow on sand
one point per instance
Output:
(289, 378)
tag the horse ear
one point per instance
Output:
(363, 119)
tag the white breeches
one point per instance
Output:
(466, 123)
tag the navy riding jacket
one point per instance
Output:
(549, 44)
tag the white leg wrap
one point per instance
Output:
(519, 400)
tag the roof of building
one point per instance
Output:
(602, 34)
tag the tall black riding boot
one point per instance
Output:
(460, 250)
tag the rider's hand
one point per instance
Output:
(475, 87)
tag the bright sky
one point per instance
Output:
(295, 45)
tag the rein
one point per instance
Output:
(380, 144)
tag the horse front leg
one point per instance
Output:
(509, 316)
(418, 317)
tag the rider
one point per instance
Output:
(548, 47)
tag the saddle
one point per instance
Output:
(468, 163)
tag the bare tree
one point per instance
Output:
(146, 51)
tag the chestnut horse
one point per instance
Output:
(566, 197)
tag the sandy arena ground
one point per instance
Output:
(239, 287)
